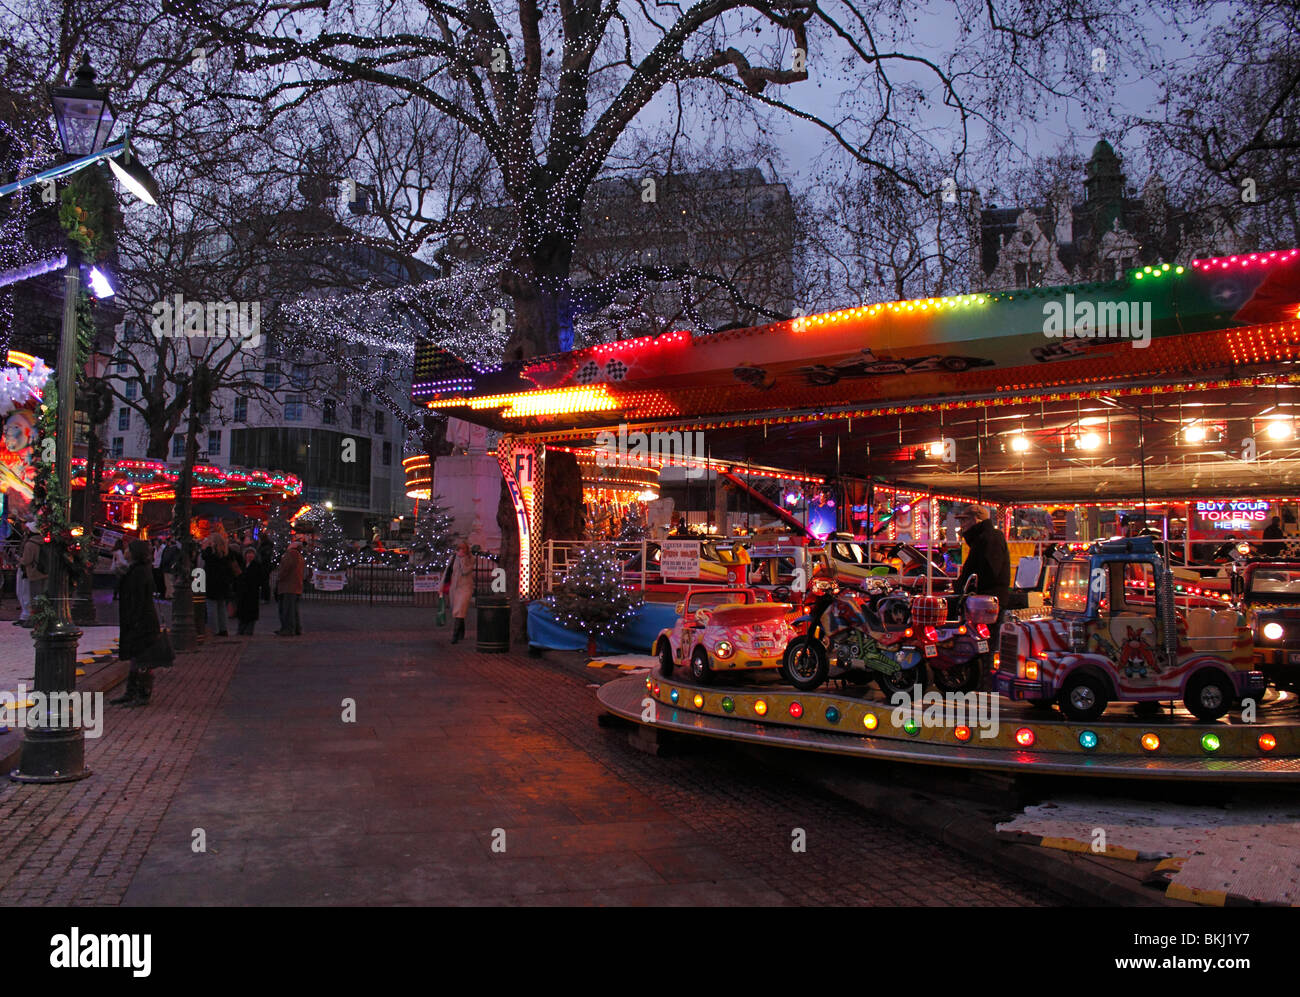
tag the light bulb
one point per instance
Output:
(1019, 444)
(1194, 433)
(1089, 441)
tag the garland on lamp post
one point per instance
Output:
(86, 216)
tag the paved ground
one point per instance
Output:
(452, 756)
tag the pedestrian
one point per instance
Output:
(138, 629)
(159, 586)
(989, 563)
(120, 567)
(266, 555)
(218, 578)
(289, 588)
(34, 566)
(248, 591)
(461, 587)
(170, 564)
(1274, 538)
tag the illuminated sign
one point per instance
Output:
(1239, 514)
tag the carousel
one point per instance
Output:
(1134, 440)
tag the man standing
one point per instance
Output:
(989, 562)
(289, 588)
(1274, 538)
(169, 563)
(34, 572)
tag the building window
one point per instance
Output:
(388, 453)
(130, 390)
(379, 421)
(178, 445)
(119, 446)
(123, 419)
(293, 408)
(299, 375)
(241, 409)
(328, 412)
(271, 376)
(356, 416)
(120, 367)
(214, 441)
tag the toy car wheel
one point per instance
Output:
(1208, 695)
(665, 659)
(700, 670)
(904, 681)
(806, 664)
(1083, 697)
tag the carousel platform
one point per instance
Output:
(986, 732)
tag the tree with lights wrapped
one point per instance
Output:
(592, 598)
(433, 539)
(330, 553)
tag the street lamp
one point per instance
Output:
(184, 632)
(55, 751)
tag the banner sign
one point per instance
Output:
(332, 581)
(680, 559)
(426, 583)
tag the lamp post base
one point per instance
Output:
(55, 751)
(83, 605)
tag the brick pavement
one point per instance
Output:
(80, 843)
(401, 806)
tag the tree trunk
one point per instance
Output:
(563, 516)
(509, 559)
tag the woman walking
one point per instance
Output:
(461, 586)
(138, 625)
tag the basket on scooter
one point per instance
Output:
(982, 609)
(929, 610)
(893, 612)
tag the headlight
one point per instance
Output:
(1273, 631)
(723, 649)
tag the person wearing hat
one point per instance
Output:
(989, 560)
(139, 630)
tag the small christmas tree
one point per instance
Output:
(331, 545)
(433, 541)
(280, 532)
(592, 598)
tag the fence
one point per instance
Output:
(394, 585)
(1204, 557)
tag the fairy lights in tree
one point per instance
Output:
(331, 547)
(592, 599)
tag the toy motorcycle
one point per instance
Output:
(952, 634)
(861, 634)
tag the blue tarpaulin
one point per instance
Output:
(636, 638)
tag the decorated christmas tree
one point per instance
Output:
(592, 598)
(330, 553)
(280, 532)
(433, 541)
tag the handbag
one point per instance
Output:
(442, 611)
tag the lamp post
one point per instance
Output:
(184, 635)
(55, 749)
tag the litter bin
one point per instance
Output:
(493, 624)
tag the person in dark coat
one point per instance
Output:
(1274, 538)
(138, 624)
(248, 592)
(266, 557)
(219, 579)
(990, 562)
